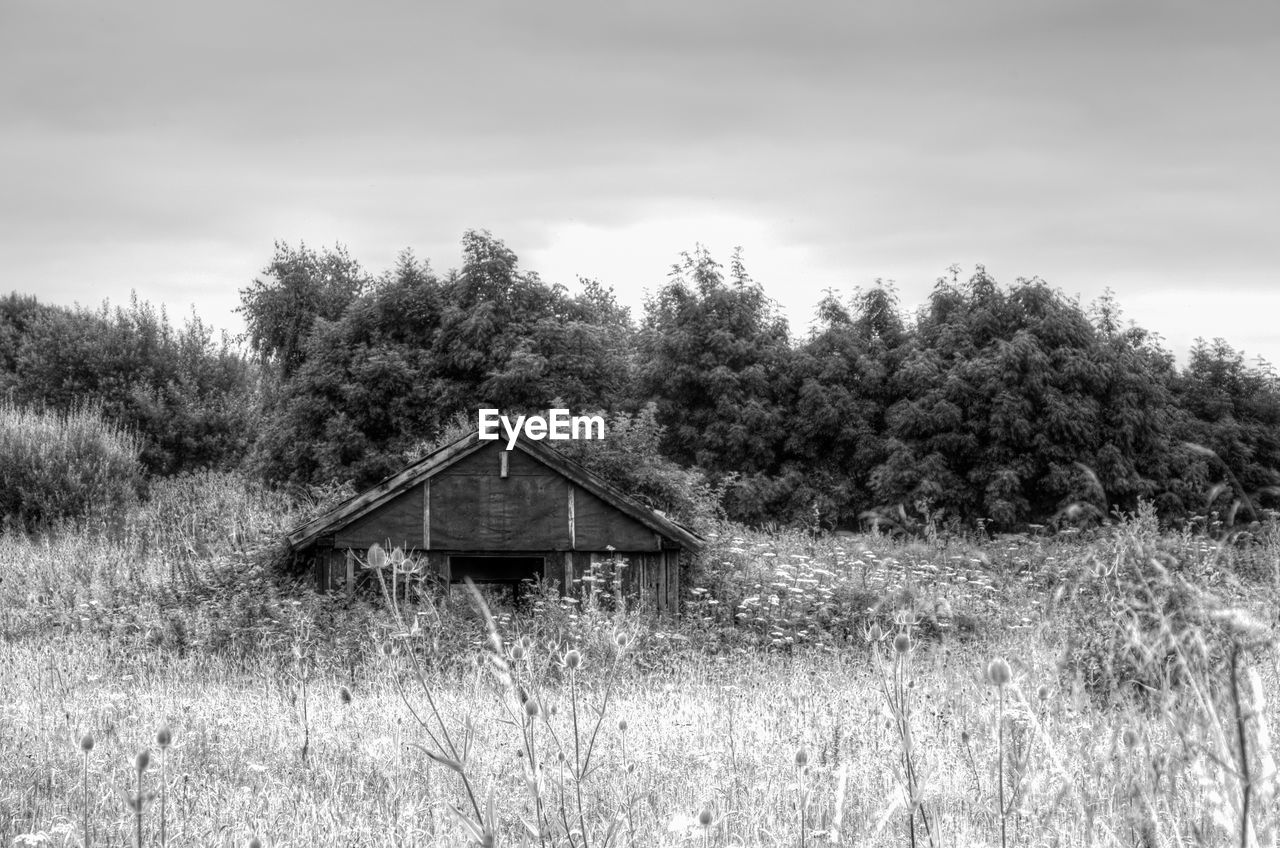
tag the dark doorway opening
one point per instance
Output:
(495, 569)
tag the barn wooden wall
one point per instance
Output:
(650, 576)
(495, 502)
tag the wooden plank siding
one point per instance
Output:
(479, 500)
(397, 523)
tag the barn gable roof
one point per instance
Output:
(433, 463)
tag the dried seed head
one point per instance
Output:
(526, 642)
(1043, 692)
(874, 633)
(998, 672)
(620, 640)
(517, 653)
(704, 817)
(344, 694)
(964, 738)
(1129, 737)
(622, 725)
(531, 708)
(141, 761)
(802, 758)
(254, 842)
(573, 659)
(86, 743)
(902, 643)
(163, 737)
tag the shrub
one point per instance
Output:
(64, 466)
(1144, 617)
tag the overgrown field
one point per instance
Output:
(1117, 690)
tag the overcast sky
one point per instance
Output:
(163, 147)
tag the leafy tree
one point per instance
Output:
(842, 389)
(362, 391)
(1136, 457)
(300, 286)
(712, 353)
(1232, 428)
(414, 350)
(1015, 408)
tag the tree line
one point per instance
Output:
(1000, 405)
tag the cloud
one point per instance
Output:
(1089, 143)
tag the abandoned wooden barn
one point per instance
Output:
(475, 509)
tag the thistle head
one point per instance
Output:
(164, 737)
(998, 672)
(376, 558)
(622, 725)
(86, 743)
(704, 817)
(531, 708)
(344, 694)
(902, 642)
(254, 842)
(802, 758)
(141, 761)
(573, 659)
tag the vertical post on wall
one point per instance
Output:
(351, 573)
(426, 515)
(568, 573)
(662, 581)
(673, 581)
(502, 464)
(573, 531)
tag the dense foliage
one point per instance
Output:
(992, 405)
(412, 349)
(190, 399)
(64, 466)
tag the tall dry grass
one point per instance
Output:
(763, 719)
